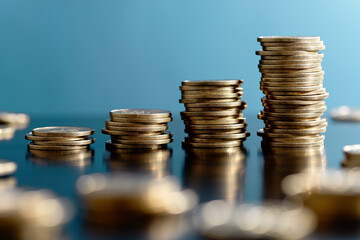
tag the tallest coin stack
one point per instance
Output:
(292, 81)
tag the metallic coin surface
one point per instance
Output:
(65, 142)
(228, 82)
(63, 131)
(31, 137)
(55, 147)
(140, 113)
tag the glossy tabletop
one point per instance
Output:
(245, 179)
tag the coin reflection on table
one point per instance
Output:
(79, 158)
(32, 214)
(281, 162)
(153, 162)
(215, 173)
(219, 219)
(333, 195)
(130, 201)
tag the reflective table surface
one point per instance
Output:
(242, 177)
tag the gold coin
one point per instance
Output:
(62, 131)
(294, 107)
(211, 88)
(317, 79)
(206, 118)
(211, 113)
(57, 148)
(261, 133)
(292, 44)
(318, 122)
(31, 137)
(303, 98)
(223, 136)
(213, 91)
(283, 94)
(226, 82)
(211, 96)
(289, 102)
(140, 113)
(293, 74)
(293, 48)
(125, 124)
(292, 114)
(215, 105)
(190, 109)
(291, 84)
(292, 144)
(7, 167)
(211, 122)
(300, 139)
(110, 146)
(142, 142)
(130, 133)
(286, 53)
(288, 39)
(213, 132)
(214, 145)
(218, 126)
(274, 126)
(292, 89)
(209, 100)
(165, 135)
(209, 140)
(291, 71)
(143, 121)
(288, 57)
(292, 66)
(289, 62)
(308, 131)
(137, 129)
(291, 110)
(65, 142)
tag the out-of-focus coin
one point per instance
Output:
(62, 131)
(7, 167)
(352, 151)
(346, 114)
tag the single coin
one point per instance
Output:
(65, 142)
(288, 39)
(292, 114)
(294, 107)
(292, 44)
(293, 74)
(289, 102)
(141, 120)
(57, 148)
(211, 88)
(317, 79)
(286, 118)
(137, 129)
(286, 53)
(7, 167)
(303, 98)
(225, 82)
(206, 118)
(165, 135)
(213, 132)
(126, 124)
(211, 113)
(291, 84)
(299, 57)
(211, 96)
(209, 140)
(110, 146)
(261, 133)
(210, 100)
(140, 113)
(320, 121)
(62, 131)
(301, 139)
(289, 62)
(223, 136)
(216, 105)
(291, 71)
(31, 137)
(142, 142)
(74, 154)
(14, 118)
(284, 94)
(213, 91)
(291, 110)
(299, 48)
(212, 122)
(214, 145)
(292, 66)
(240, 108)
(274, 126)
(218, 127)
(130, 133)
(292, 89)
(308, 131)
(292, 144)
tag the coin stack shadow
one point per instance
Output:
(60, 139)
(213, 114)
(138, 129)
(292, 81)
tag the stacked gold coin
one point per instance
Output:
(292, 81)
(213, 114)
(60, 138)
(138, 128)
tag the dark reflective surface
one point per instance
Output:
(234, 176)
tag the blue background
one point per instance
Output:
(88, 57)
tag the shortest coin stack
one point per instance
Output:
(60, 138)
(352, 156)
(213, 114)
(138, 128)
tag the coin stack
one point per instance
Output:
(60, 138)
(213, 114)
(138, 128)
(292, 81)
(352, 156)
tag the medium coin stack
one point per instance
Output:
(292, 81)
(60, 138)
(213, 114)
(138, 128)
